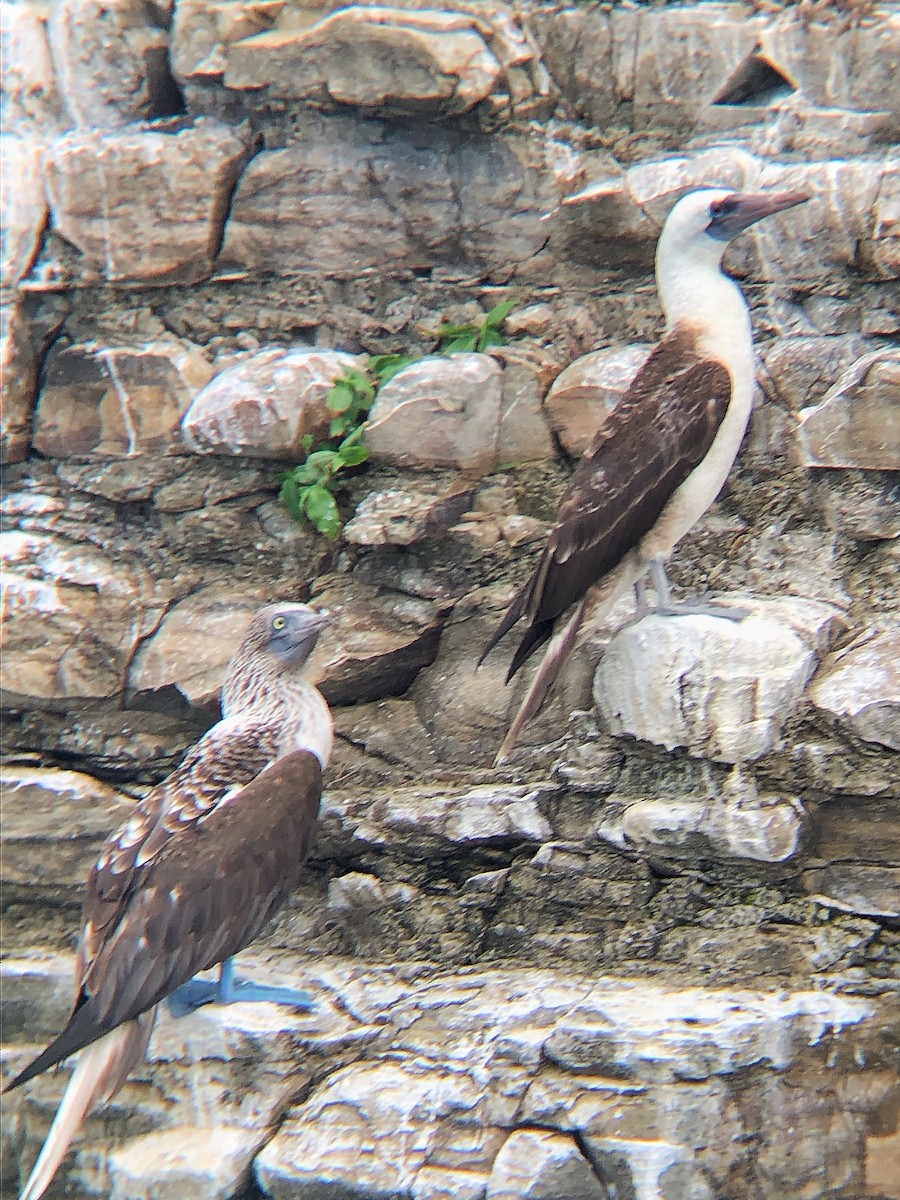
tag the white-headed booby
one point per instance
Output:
(206, 860)
(662, 456)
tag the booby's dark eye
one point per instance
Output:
(721, 208)
(279, 623)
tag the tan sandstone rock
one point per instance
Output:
(439, 412)
(338, 200)
(578, 48)
(722, 689)
(739, 823)
(117, 401)
(882, 247)
(266, 404)
(37, 802)
(73, 618)
(144, 204)
(804, 367)
(18, 372)
(683, 57)
(859, 688)
(407, 59)
(377, 644)
(588, 390)
(850, 67)
(614, 1062)
(857, 888)
(382, 58)
(857, 422)
(211, 1161)
(367, 1105)
(524, 435)
(402, 516)
(537, 1164)
(111, 62)
(31, 100)
(23, 207)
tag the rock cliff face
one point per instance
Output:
(657, 955)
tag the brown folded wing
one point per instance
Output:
(207, 893)
(228, 757)
(648, 446)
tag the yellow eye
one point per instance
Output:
(279, 623)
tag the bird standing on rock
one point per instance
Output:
(207, 858)
(661, 457)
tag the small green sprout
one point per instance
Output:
(386, 366)
(307, 491)
(476, 335)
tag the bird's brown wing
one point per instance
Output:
(205, 896)
(659, 432)
(230, 755)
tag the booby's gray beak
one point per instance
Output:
(319, 619)
(295, 641)
(738, 212)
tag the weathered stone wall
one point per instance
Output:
(656, 955)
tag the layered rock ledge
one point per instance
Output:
(656, 957)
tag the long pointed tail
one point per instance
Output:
(551, 664)
(601, 599)
(100, 1071)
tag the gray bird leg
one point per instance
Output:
(228, 990)
(641, 605)
(667, 607)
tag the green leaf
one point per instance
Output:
(341, 397)
(449, 331)
(289, 495)
(488, 338)
(321, 508)
(498, 314)
(305, 474)
(306, 442)
(386, 366)
(359, 381)
(322, 460)
(352, 456)
(338, 427)
(461, 344)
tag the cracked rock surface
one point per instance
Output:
(656, 956)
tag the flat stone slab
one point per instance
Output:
(720, 688)
(859, 688)
(427, 1080)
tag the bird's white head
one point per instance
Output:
(702, 223)
(693, 240)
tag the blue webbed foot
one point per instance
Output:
(228, 990)
(193, 995)
(244, 992)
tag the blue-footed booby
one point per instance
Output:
(207, 858)
(661, 457)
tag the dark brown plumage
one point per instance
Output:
(204, 897)
(655, 437)
(203, 863)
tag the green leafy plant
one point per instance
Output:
(307, 491)
(350, 398)
(385, 366)
(476, 335)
